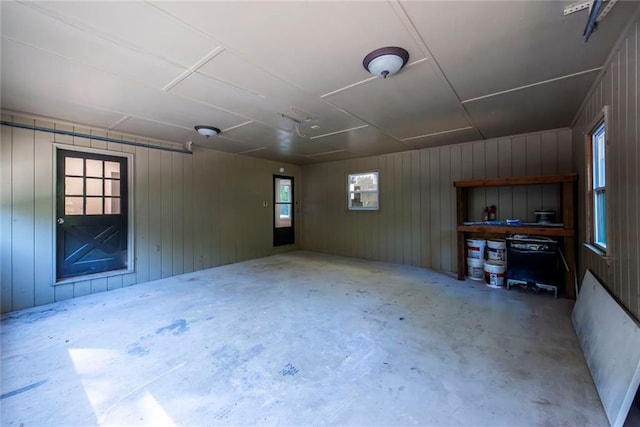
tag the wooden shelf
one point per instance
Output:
(517, 180)
(566, 232)
(513, 229)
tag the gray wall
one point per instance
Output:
(191, 212)
(416, 222)
(617, 88)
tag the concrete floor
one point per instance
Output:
(299, 338)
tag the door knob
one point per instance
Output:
(60, 220)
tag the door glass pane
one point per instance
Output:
(73, 166)
(73, 206)
(284, 190)
(112, 187)
(94, 168)
(94, 187)
(112, 170)
(285, 211)
(283, 215)
(73, 186)
(112, 205)
(94, 205)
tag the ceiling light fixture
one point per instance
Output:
(207, 131)
(385, 61)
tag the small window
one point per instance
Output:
(597, 204)
(362, 190)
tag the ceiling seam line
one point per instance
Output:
(119, 121)
(77, 24)
(605, 64)
(237, 126)
(195, 67)
(324, 153)
(349, 113)
(437, 133)
(415, 34)
(342, 89)
(515, 89)
(129, 79)
(338, 132)
(251, 150)
(101, 70)
(233, 50)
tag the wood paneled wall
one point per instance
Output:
(191, 212)
(618, 89)
(416, 221)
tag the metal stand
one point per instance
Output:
(535, 285)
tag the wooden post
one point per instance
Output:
(461, 197)
(569, 242)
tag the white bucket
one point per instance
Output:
(475, 248)
(474, 265)
(494, 273)
(497, 250)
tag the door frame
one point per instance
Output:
(293, 208)
(130, 214)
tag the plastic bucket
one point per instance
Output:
(497, 250)
(475, 248)
(474, 266)
(494, 273)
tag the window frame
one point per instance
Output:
(351, 208)
(600, 125)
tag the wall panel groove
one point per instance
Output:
(618, 89)
(416, 221)
(191, 212)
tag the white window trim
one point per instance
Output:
(130, 216)
(605, 252)
(349, 192)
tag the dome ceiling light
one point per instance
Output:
(385, 61)
(207, 131)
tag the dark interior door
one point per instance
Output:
(283, 221)
(92, 212)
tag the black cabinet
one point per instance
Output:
(533, 262)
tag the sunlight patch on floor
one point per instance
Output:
(96, 366)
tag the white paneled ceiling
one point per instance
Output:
(285, 81)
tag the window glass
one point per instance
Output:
(598, 191)
(73, 186)
(94, 168)
(112, 205)
(73, 166)
(73, 206)
(362, 190)
(112, 170)
(112, 187)
(94, 205)
(94, 187)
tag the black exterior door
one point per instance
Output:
(283, 221)
(92, 211)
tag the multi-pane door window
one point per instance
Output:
(362, 191)
(91, 187)
(598, 187)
